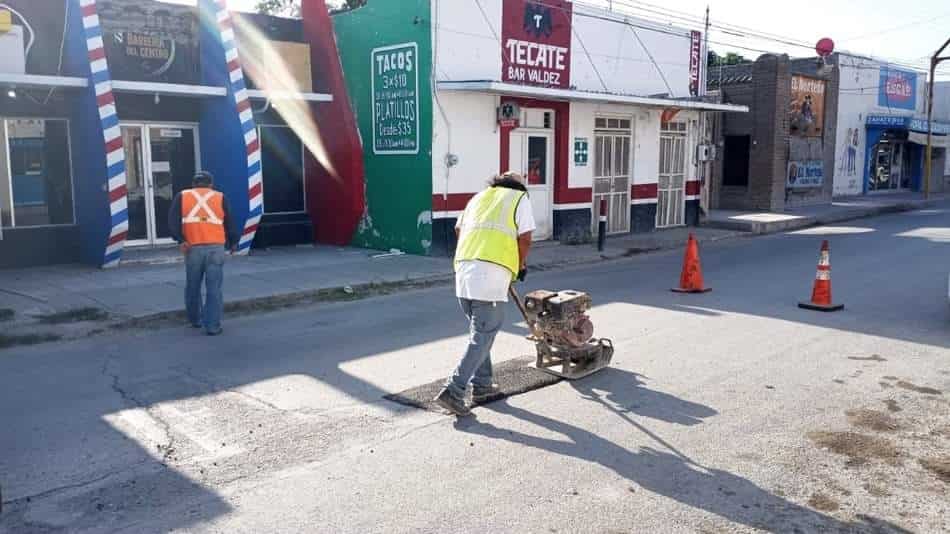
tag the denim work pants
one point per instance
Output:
(204, 263)
(485, 320)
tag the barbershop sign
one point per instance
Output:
(536, 42)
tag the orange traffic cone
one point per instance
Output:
(821, 293)
(691, 279)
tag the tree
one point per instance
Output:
(291, 8)
(285, 8)
(731, 58)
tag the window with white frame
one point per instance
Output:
(36, 187)
(282, 167)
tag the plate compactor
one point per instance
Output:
(563, 333)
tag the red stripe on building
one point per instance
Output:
(97, 54)
(233, 65)
(243, 105)
(105, 99)
(117, 238)
(250, 230)
(454, 202)
(643, 191)
(254, 191)
(89, 10)
(117, 193)
(693, 188)
(253, 146)
(114, 145)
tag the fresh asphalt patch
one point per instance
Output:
(513, 377)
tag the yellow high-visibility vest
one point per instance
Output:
(489, 231)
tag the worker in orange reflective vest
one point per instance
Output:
(199, 220)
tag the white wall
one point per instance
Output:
(470, 49)
(858, 98)
(475, 140)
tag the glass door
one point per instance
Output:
(154, 176)
(173, 164)
(135, 165)
(531, 155)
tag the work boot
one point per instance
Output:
(453, 404)
(482, 394)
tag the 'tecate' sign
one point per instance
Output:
(536, 42)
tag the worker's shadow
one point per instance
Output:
(667, 472)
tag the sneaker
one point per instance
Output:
(484, 394)
(197, 325)
(215, 332)
(454, 405)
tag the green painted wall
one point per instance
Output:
(399, 160)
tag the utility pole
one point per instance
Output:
(706, 175)
(928, 163)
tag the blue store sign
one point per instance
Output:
(809, 173)
(898, 89)
(907, 123)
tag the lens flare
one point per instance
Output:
(269, 71)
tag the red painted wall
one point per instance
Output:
(336, 203)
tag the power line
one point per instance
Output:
(928, 20)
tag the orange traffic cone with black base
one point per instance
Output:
(821, 293)
(691, 279)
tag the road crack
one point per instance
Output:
(168, 448)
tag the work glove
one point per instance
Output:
(522, 274)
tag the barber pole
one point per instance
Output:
(602, 225)
(111, 135)
(252, 144)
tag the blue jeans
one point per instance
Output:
(485, 320)
(204, 263)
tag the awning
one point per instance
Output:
(571, 95)
(34, 81)
(937, 141)
(170, 89)
(289, 95)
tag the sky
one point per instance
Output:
(908, 31)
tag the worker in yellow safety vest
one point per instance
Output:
(494, 236)
(199, 221)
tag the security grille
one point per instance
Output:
(612, 144)
(671, 189)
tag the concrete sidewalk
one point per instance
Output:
(153, 284)
(841, 209)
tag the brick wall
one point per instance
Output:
(768, 96)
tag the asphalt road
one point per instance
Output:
(732, 411)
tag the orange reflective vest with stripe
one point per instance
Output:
(202, 216)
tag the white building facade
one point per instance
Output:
(590, 105)
(882, 128)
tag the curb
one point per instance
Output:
(764, 228)
(371, 289)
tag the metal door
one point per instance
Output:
(671, 189)
(612, 157)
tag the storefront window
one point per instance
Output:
(282, 167)
(35, 179)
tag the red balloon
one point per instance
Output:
(825, 47)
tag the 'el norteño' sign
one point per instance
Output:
(395, 86)
(536, 42)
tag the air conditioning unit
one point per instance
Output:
(12, 55)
